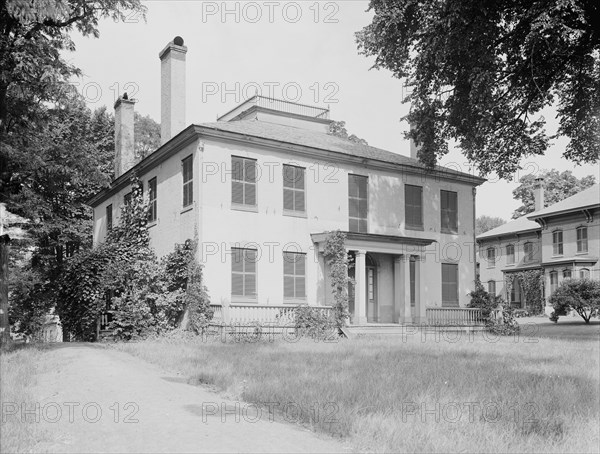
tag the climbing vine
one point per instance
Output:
(337, 259)
(532, 287)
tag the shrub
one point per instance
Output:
(312, 322)
(505, 324)
(579, 295)
(337, 259)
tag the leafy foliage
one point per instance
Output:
(311, 322)
(147, 135)
(532, 285)
(579, 295)
(497, 314)
(337, 259)
(338, 129)
(481, 73)
(557, 186)
(485, 223)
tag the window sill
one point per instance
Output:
(415, 227)
(187, 208)
(510, 264)
(295, 301)
(557, 256)
(450, 232)
(582, 253)
(243, 299)
(295, 214)
(248, 208)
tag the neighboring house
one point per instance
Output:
(562, 241)
(263, 186)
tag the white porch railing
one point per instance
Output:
(280, 315)
(454, 316)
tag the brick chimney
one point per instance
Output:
(172, 89)
(538, 193)
(124, 138)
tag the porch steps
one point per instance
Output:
(382, 329)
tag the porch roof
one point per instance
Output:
(585, 259)
(372, 242)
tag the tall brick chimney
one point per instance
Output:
(124, 138)
(538, 193)
(172, 89)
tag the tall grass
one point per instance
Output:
(404, 395)
(18, 370)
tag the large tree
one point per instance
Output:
(481, 72)
(485, 223)
(557, 186)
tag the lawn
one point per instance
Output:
(19, 368)
(412, 394)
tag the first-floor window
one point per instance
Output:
(566, 274)
(584, 273)
(492, 287)
(412, 272)
(294, 275)
(243, 272)
(109, 218)
(553, 281)
(449, 284)
(515, 292)
(152, 200)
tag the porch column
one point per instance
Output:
(406, 315)
(421, 312)
(360, 289)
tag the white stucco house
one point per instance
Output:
(262, 187)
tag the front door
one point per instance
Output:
(371, 294)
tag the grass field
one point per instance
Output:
(413, 394)
(18, 373)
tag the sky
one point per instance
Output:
(302, 51)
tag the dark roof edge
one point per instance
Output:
(511, 233)
(565, 211)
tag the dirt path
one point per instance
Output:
(107, 401)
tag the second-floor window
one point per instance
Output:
(293, 189)
(449, 210)
(510, 254)
(582, 240)
(188, 180)
(413, 206)
(491, 256)
(243, 181)
(358, 204)
(294, 275)
(528, 252)
(243, 273)
(557, 242)
(152, 200)
(109, 218)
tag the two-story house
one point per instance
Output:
(263, 185)
(561, 240)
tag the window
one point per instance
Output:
(413, 207)
(449, 284)
(109, 219)
(582, 243)
(515, 292)
(553, 281)
(243, 273)
(528, 250)
(412, 269)
(584, 273)
(491, 256)
(294, 275)
(557, 242)
(566, 274)
(293, 189)
(243, 181)
(152, 196)
(358, 203)
(510, 254)
(188, 180)
(449, 208)
(492, 287)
